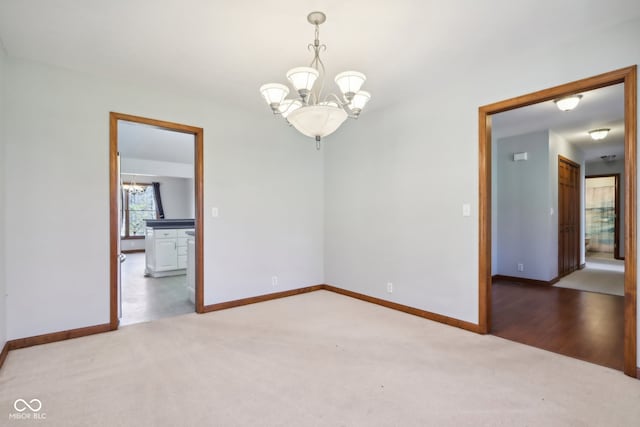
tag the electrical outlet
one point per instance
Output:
(520, 267)
(389, 287)
(274, 280)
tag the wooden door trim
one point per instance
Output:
(114, 231)
(568, 160)
(616, 204)
(562, 159)
(627, 76)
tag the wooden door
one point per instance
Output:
(568, 216)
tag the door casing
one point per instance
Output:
(626, 76)
(114, 225)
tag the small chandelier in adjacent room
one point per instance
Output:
(598, 134)
(568, 103)
(310, 113)
(133, 188)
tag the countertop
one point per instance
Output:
(170, 223)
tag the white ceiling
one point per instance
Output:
(226, 49)
(600, 108)
(138, 141)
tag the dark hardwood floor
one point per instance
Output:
(585, 325)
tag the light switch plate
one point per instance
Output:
(466, 209)
(214, 212)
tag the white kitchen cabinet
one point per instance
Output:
(166, 251)
(191, 268)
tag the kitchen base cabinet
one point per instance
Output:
(166, 251)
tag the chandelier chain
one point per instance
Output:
(317, 63)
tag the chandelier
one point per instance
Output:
(133, 188)
(310, 113)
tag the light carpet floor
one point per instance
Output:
(599, 275)
(318, 359)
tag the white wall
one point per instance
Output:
(265, 179)
(524, 229)
(394, 190)
(599, 167)
(395, 180)
(3, 306)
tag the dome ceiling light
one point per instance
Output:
(568, 103)
(598, 134)
(310, 113)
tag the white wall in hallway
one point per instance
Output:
(265, 179)
(525, 198)
(524, 228)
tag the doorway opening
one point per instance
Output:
(627, 77)
(602, 214)
(156, 231)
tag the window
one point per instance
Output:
(138, 204)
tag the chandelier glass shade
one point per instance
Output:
(350, 82)
(303, 78)
(288, 106)
(319, 120)
(274, 93)
(310, 113)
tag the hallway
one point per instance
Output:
(584, 325)
(605, 276)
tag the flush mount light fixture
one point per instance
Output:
(598, 134)
(310, 113)
(568, 103)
